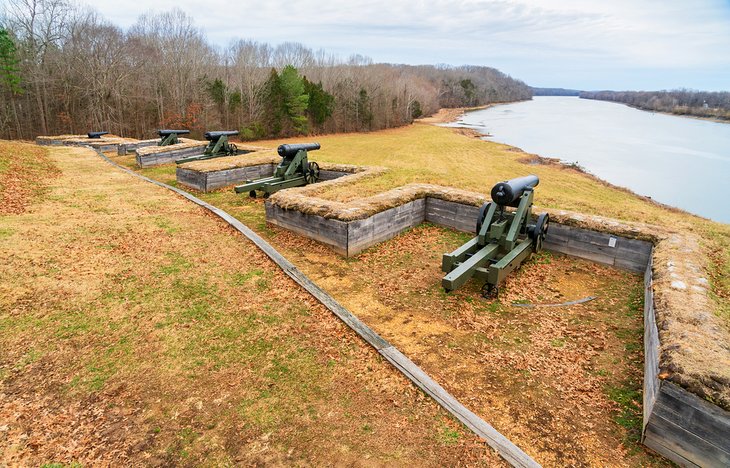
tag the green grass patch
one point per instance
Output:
(557, 342)
(167, 225)
(628, 415)
(448, 436)
(175, 264)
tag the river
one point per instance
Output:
(678, 161)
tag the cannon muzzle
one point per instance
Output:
(291, 150)
(166, 133)
(215, 136)
(96, 134)
(508, 192)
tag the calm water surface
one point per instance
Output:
(679, 161)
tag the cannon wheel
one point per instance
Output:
(490, 291)
(232, 149)
(252, 194)
(312, 174)
(540, 231)
(482, 214)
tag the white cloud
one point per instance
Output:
(522, 35)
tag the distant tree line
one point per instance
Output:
(555, 92)
(64, 69)
(679, 101)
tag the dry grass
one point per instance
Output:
(699, 250)
(544, 378)
(427, 154)
(424, 154)
(137, 329)
(184, 144)
(25, 172)
(693, 351)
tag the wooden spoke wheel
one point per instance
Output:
(482, 214)
(540, 230)
(312, 174)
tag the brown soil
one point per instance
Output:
(547, 378)
(137, 329)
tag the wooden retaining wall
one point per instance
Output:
(687, 429)
(126, 148)
(207, 181)
(620, 252)
(327, 231)
(44, 142)
(676, 423)
(211, 180)
(382, 226)
(167, 157)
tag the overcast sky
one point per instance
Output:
(610, 44)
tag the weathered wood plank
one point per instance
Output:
(651, 348)
(328, 231)
(635, 264)
(682, 444)
(384, 225)
(706, 421)
(451, 214)
(167, 157)
(658, 444)
(330, 175)
(189, 178)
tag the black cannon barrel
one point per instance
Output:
(507, 192)
(214, 136)
(166, 133)
(96, 134)
(291, 150)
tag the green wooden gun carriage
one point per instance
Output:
(294, 170)
(218, 146)
(504, 238)
(170, 137)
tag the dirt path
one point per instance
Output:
(136, 328)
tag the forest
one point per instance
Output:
(64, 69)
(705, 104)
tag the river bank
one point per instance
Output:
(666, 159)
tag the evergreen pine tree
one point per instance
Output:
(274, 104)
(295, 100)
(321, 103)
(9, 75)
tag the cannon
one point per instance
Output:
(96, 134)
(504, 239)
(170, 137)
(218, 146)
(294, 170)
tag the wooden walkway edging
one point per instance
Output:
(506, 449)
